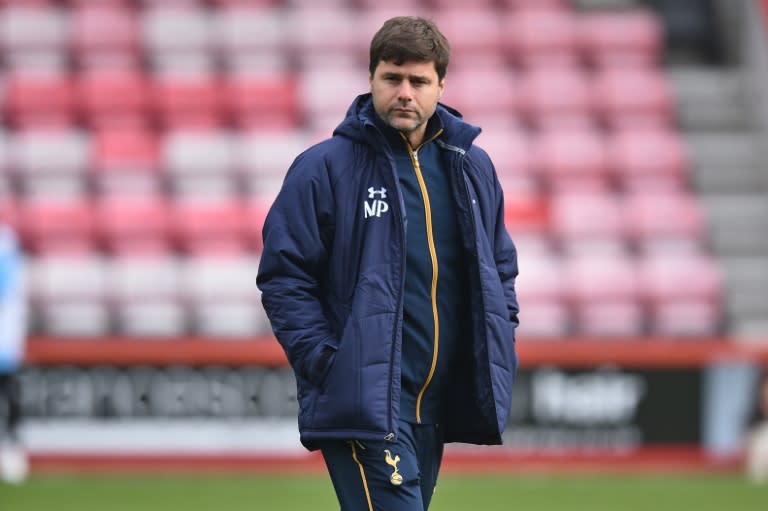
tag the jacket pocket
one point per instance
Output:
(356, 390)
(339, 397)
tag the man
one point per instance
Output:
(388, 277)
(756, 448)
(13, 462)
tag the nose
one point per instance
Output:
(405, 91)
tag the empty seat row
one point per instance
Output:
(112, 34)
(291, 3)
(146, 296)
(120, 223)
(614, 294)
(139, 225)
(651, 222)
(543, 97)
(119, 98)
(588, 159)
(184, 160)
(165, 295)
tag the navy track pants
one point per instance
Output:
(386, 476)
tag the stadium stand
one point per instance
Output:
(145, 295)
(69, 295)
(125, 159)
(144, 140)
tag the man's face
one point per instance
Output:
(406, 96)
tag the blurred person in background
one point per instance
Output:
(13, 462)
(389, 279)
(757, 436)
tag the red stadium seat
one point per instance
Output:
(260, 4)
(263, 100)
(480, 5)
(571, 159)
(50, 160)
(58, 224)
(479, 92)
(9, 214)
(556, 97)
(542, 288)
(114, 98)
(633, 97)
(604, 293)
(541, 36)
(125, 160)
(526, 213)
(537, 4)
(626, 37)
(199, 161)
(184, 100)
(146, 293)
(37, 99)
(323, 32)
(327, 95)
(256, 209)
(369, 5)
(475, 33)
(255, 4)
(659, 221)
(6, 183)
(210, 225)
(28, 32)
(134, 224)
(79, 4)
(683, 293)
(105, 35)
(170, 32)
(630, 158)
(181, 4)
(246, 28)
(265, 158)
(510, 150)
(26, 3)
(326, 4)
(587, 220)
(222, 298)
(68, 295)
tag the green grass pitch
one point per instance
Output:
(305, 492)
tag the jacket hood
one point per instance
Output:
(358, 124)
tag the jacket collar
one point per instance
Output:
(360, 124)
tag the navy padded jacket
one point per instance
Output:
(332, 275)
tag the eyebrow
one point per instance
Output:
(394, 74)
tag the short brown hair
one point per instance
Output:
(405, 38)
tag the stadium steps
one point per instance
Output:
(727, 174)
(747, 304)
(725, 162)
(710, 98)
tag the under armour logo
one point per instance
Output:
(376, 207)
(372, 192)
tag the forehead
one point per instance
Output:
(408, 68)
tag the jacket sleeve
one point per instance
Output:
(296, 235)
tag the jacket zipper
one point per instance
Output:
(433, 257)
